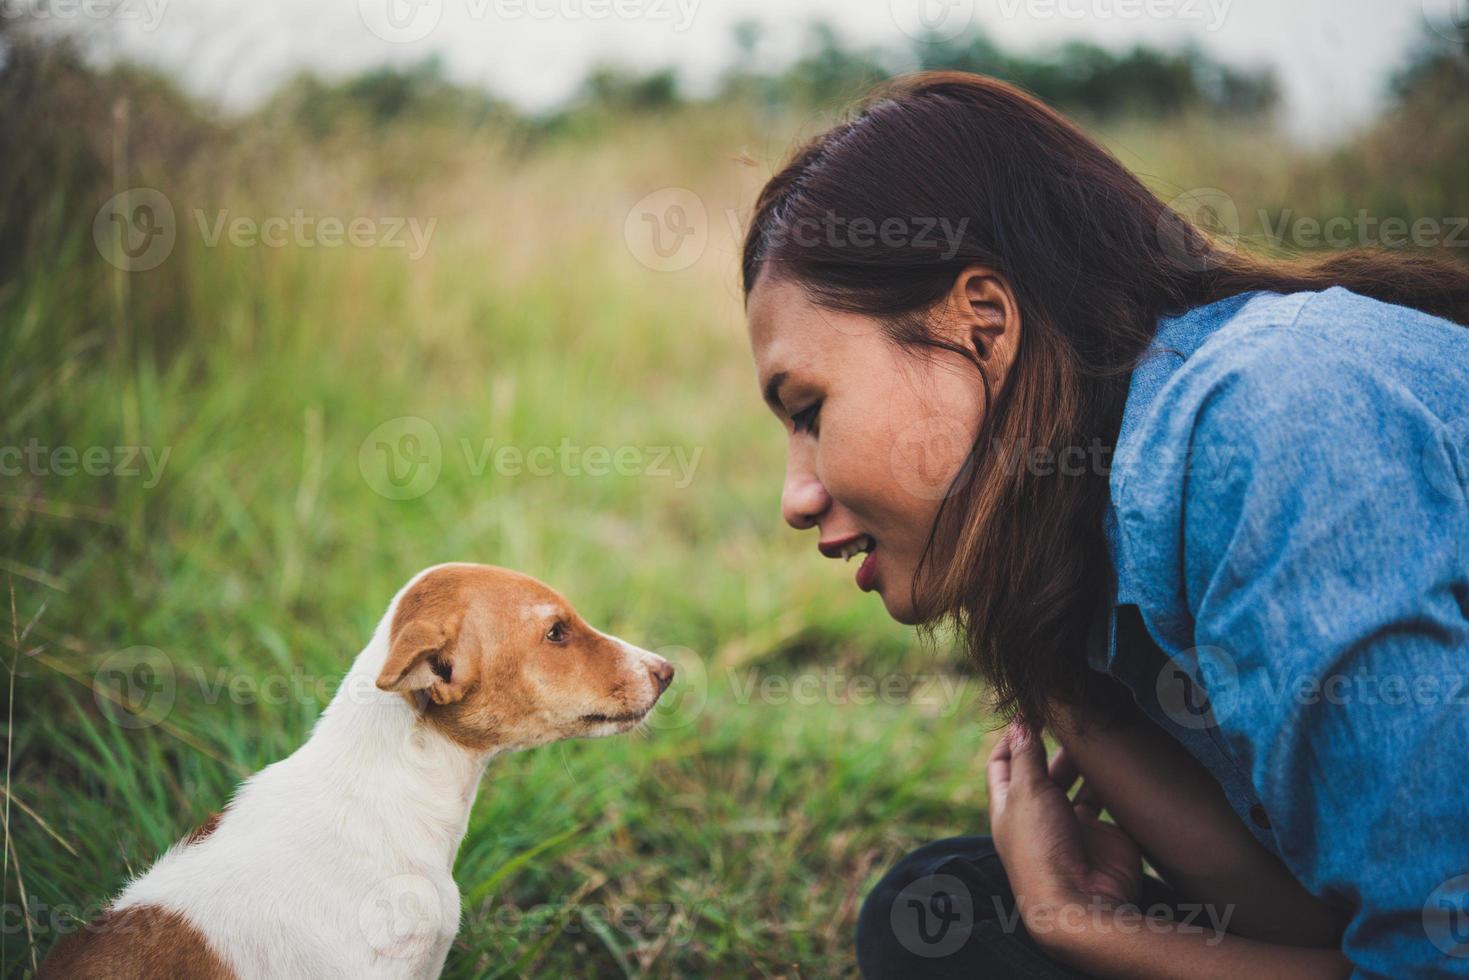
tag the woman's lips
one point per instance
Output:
(867, 572)
(850, 547)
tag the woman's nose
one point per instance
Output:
(803, 499)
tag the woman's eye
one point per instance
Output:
(805, 420)
(557, 633)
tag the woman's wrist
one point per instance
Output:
(1101, 939)
(1058, 924)
(1122, 941)
(1070, 925)
(1041, 910)
(1067, 930)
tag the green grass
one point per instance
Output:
(740, 837)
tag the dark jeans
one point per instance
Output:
(946, 910)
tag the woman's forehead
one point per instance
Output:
(787, 329)
(773, 305)
(778, 336)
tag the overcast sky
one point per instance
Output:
(1333, 57)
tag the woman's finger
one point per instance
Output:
(997, 775)
(1063, 771)
(1088, 796)
(1002, 746)
(1027, 754)
(1085, 803)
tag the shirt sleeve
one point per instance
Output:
(1324, 569)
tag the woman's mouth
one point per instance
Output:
(851, 547)
(858, 544)
(867, 571)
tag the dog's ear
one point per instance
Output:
(421, 657)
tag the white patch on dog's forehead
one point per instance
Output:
(541, 610)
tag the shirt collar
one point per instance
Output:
(1175, 341)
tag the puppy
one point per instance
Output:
(336, 861)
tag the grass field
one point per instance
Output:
(220, 592)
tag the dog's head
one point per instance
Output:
(497, 660)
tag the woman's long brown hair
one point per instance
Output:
(1017, 560)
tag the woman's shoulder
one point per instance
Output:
(1327, 393)
(1286, 371)
(1280, 336)
(1302, 422)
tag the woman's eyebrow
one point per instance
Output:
(772, 390)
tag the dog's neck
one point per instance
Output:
(373, 746)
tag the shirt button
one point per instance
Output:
(1260, 817)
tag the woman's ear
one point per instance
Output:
(421, 657)
(986, 308)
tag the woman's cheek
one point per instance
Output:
(857, 477)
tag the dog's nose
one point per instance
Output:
(662, 673)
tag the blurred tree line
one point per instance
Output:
(1078, 77)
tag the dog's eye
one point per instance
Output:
(557, 632)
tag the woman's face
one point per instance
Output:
(875, 433)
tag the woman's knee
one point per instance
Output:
(947, 910)
(922, 911)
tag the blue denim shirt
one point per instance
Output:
(1289, 528)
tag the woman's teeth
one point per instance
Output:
(858, 546)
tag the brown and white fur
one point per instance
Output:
(336, 861)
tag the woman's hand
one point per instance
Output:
(1060, 858)
(1056, 851)
(1178, 815)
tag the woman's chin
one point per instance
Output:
(901, 610)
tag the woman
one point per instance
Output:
(1191, 512)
